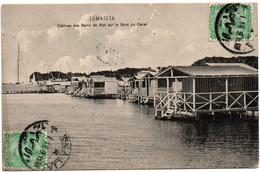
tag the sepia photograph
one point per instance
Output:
(129, 86)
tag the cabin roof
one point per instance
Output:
(143, 74)
(217, 70)
(125, 78)
(61, 82)
(232, 64)
(104, 79)
(140, 75)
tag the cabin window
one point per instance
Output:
(162, 83)
(80, 84)
(143, 83)
(137, 84)
(132, 84)
(99, 84)
(250, 83)
(242, 83)
(210, 85)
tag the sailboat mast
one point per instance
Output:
(70, 70)
(18, 61)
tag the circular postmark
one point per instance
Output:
(234, 28)
(42, 146)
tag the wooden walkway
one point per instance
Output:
(190, 104)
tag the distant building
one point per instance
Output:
(50, 85)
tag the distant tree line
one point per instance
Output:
(249, 60)
(124, 72)
(55, 75)
(129, 72)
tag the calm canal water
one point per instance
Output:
(115, 134)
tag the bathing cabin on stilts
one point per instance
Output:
(142, 87)
(189, 91)
(100, 86)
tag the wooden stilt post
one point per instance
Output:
(245, 100)
(147, 87)
(175, 94)
(193, 94)
(210, 101)
(184, 104)
(154, 91)
(227, 94)
(168, 91)
(140, 89)
(197, 117)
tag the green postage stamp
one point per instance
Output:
(31, 148)
(234, 23)
(41, 146)
(232, 26)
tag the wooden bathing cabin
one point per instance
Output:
(188, 91)
(132, 96)
(99, 86)
(142, 87)
(124, 88)
(77, 87)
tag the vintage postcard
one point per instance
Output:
(129, 86)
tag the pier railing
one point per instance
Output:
(210, 102)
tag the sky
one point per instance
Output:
(176, 34)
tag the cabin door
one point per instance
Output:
(147, 84)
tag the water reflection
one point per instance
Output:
(117, 134)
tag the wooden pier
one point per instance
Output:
(188, 104)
